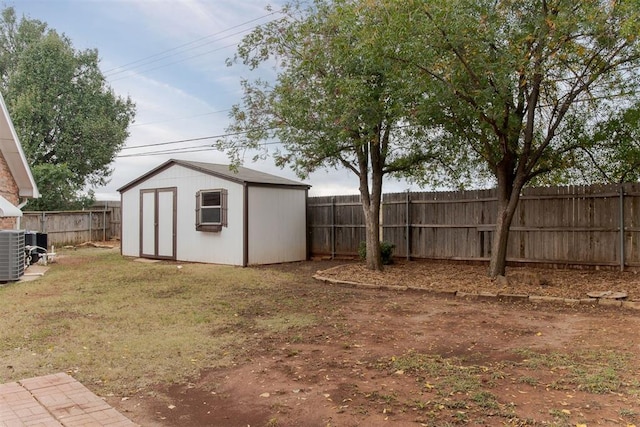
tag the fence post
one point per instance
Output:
(622, 254)
(43, 221)
(104, 224)
(408, 231)
(90, 228)
(381, 220)
(333, 227)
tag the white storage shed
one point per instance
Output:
(203, 212)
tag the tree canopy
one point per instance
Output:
(336, 101)
(612, 151)
(521, 91)
(70, 123)
(515, 84)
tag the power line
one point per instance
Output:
(173, 142)
(194, 149)
(167, 53)
(157, 144)
(182, 150)
(174, 62)
(181, 118)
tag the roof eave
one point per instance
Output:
(191, 166)
(15, 157)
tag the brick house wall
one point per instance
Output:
(8, 190)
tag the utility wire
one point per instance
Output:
(132, 69)
(174, 62)
(165, 153)
(179, 150)
(157, 144)
(168, 52)
(195, 149)
(265, 143)
(181, 118)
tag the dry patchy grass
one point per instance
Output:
(121, 325)
(186, 345)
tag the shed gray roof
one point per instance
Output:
(242, 176)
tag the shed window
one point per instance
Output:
(211, 210)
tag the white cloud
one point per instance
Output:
(178, 92)
(185, 21)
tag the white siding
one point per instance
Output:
(277, 225)
(130, 244)
(148, 223)
(165, 223)
(224, 247)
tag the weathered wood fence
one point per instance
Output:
(102, 222)
(574, 225)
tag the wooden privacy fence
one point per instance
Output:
(574, 225)
(70, 227)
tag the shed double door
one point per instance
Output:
(158, 223)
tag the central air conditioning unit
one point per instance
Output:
(35, 245)
(11, 255)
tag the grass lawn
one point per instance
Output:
(217, 345)
(120, 325)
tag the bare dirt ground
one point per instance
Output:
(411, 358)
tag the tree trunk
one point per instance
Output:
(371, 207)
(498, 262)
(509, 188)
(372, 217)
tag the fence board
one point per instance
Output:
(563, 225)
(71, 227)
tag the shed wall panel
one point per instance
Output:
(130, 223)
(148, 212)
(224, 247)
(277, 225)
(165, 223)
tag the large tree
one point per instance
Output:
(612, 148)
(70, 122)
(336, 101)
(510, 81)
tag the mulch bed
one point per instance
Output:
(448, 276)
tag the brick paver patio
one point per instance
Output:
(53, 401)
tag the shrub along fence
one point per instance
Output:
(102, 222)
(596, 225)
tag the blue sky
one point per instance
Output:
(169, 57)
